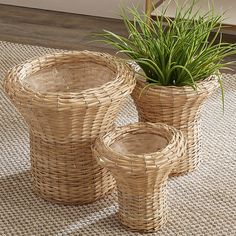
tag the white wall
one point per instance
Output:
(104, 8)
(228, 7)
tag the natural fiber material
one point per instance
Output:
(179, 107)
(141, 156)
(67, 99)
(202, 203)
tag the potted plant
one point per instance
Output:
(180, 60)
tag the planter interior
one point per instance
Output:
(140, 143)
(70, 77)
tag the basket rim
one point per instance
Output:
(121, 85)
(202, 86)
(177, 142)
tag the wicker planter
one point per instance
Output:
(140, 157)
(179, 107)
(67, 99)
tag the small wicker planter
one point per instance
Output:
(67, 99)
(179, 107)
(140, 157)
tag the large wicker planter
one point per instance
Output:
(67, 99)
(140, 157)
(179, 107)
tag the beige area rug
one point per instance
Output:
(201, 203)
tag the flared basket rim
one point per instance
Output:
(122, 84)
(150, 161)
(202, 86)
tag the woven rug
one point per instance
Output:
(200, 203)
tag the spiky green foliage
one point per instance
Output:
(174, 51)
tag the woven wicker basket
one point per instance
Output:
(67, 99)
(179, 107)
(140, 157)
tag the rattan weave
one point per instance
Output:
(179, 107)
(141, 156)
(67, 99)
(202, 203)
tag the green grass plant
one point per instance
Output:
(174, 52)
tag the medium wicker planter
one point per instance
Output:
(67, 99)
(179, 107)
(140, 157)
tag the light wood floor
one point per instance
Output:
(60, 30)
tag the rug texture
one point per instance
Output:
(200, 203)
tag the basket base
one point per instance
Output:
(141, 211)
(67, 173)
(150, 229)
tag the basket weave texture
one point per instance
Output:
(179, 107)
(67, 99)
(140, 156)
